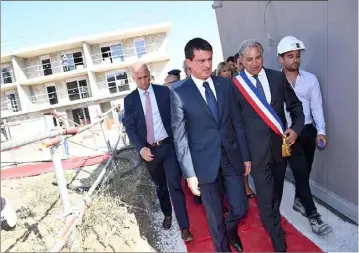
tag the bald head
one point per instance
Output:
(137, 66)
(141, 75)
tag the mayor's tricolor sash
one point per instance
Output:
(260, 105)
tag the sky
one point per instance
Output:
(32, 23)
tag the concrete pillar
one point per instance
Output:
(22, 91)
(95, 91)
(70, 117)
(87, 55)
(17, 65)
(24, 97)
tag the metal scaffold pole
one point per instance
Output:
(60, 178)
(107, 142)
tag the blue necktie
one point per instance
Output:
(211, 101)
(259, 86)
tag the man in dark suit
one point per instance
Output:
(211, 144)
(265, 145)
(148, 125)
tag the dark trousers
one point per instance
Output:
(268, 175)
(308, 142)
(232, 185)
(300, 162)
(165, 171)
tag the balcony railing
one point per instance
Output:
(114, 89)
(54, 67)
(121, 55)
(11, 105)
(42, 100)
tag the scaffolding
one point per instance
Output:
(54, 141)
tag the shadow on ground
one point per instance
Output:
(128, 186)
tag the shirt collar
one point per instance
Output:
(261, 73)
(200, 82)
(142, 92)
(300, 71)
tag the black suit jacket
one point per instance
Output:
(260, 137)
(198, 138)
(134, 117)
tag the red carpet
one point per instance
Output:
(253, 235)
(251, 231)
(28, 170)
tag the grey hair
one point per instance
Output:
(250, 43)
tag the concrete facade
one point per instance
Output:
(36, 81)
(329, 30)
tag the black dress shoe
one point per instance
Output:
(197, 200)
(186, 235)
(167, 222)
(236, 243)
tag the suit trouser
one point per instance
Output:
(232, 185)
(165, 171)
(268, 176)
(300, 169)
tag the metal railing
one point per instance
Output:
(119, 55)
(116, 88)
(54, 140)
(11, 105)
(55, 97)
(54, 67)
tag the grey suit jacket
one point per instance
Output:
(198, 138)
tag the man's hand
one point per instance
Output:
(291, 136)
(247, 168)
(323, 138)
(193, 185)
(146, 154)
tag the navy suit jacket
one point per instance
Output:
(134, 117)
(261, 138)
(198, 138)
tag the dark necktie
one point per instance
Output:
(259, 86)
(211, 101)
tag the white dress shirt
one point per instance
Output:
(308, 91)
(158, 127)
(264, 81)
(202, 89)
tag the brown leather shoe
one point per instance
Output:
(167, 222)
(186, 235)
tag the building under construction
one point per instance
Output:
(78, 78)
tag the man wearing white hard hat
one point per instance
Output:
(307, 89)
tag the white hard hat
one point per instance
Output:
(289, 43)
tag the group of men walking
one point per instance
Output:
(215, 131)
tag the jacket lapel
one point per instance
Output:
(197, 96)
(140, 112)
(271, 82)
(219, 95)
(158, 100)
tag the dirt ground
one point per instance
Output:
(118, 220)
